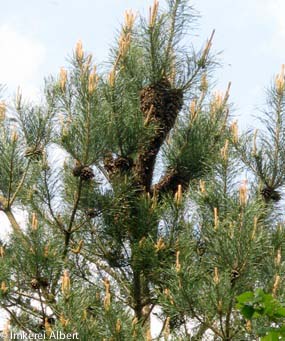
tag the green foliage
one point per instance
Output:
(12, 160)
(258, 304)
(263, 151)
(195, 157)
(127, 181)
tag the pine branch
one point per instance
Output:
(15, 226)
(68, 231)
(177, 3)
(109, 271)
(20, 185)
(11, 171)
(59, 224)
(201, 331)
(228, 318)
(15, 319)
(201, 63)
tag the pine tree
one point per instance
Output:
(129, 176)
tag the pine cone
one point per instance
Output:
(49, 320)
(86, 173)
(234, 276)
(109, 163)
(200, 247)
(269, 193)
(34, 152)
(115, 258)
(44, 283)
(119, 165)
(77, 170)
(176, 322)
(41, 282)
(92, 213)
(35, 284)
(123, 164)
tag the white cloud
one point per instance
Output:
(277, 9)
(272, 12)
(20, 59)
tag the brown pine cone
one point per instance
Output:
(269, 193)
(234, 276)
(77, 170)
(109, 163)
(86, 173)
(34, 152)
(43, 282)
(92, 213)
(35, 284)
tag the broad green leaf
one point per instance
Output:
(280, 312)
(247, 311)
(247, 296)
(271, 336)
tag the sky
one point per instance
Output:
(37, 37)
(251, 36)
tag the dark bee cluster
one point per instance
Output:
(161, 102)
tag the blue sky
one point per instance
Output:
(251, 35)
(36, 37)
